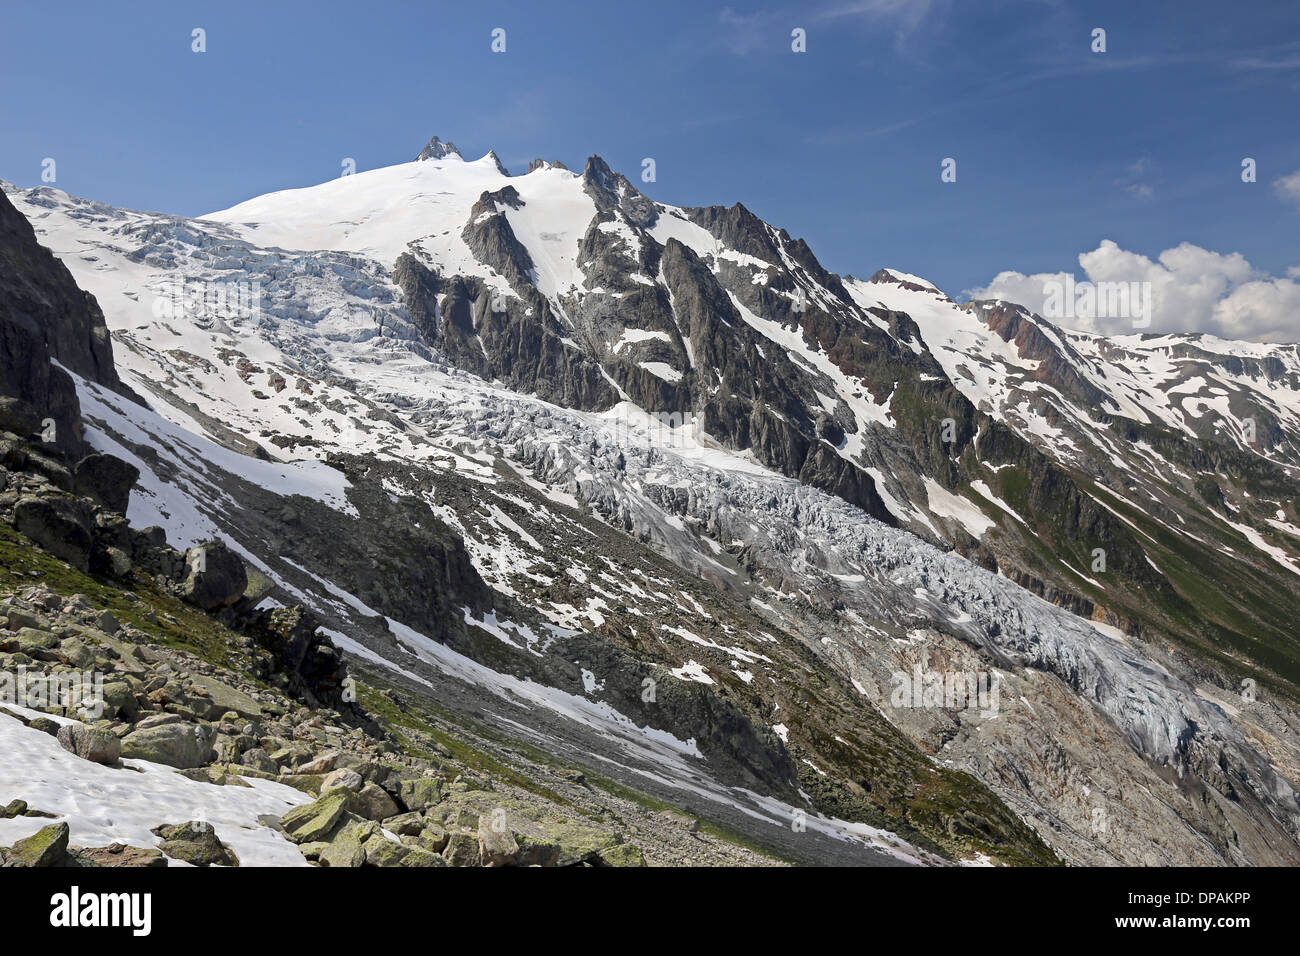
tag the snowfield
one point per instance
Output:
(122, 804)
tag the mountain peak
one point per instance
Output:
(597, 171)
(540, 163)
(437, 149)
(906, 280)
(610, 189)
(492, 155)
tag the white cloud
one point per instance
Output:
(1192, 290)
(1288, 187)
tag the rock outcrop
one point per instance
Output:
(44, 316)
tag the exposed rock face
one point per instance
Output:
(44, 315)
(437, 149)
(303, 660)
(611, 189)
(491, 239)
(450, 327)
(18, 417)
(540, 163)
(494, 335)
(496, 160)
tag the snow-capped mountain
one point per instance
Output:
(545, 436)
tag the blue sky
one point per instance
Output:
(1057, 147)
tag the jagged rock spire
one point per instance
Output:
(501, 167)
(609, 188)
(437, 149)
(540, 163)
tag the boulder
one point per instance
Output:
(32, 642)
(349, 779)
(106, 480)
(120, 699)
(348, 848)
(314, 821)
(257, 759)
(417, 857)
(224, 698)
(60, 524)
(372, 803)
(538, 851)
(462, 849)
(215, 576)
(47, 847)
(406, 824)
(118, 854)
(496, 844)
(159, 720)
(287, 632)
(195, 843)
(322, 764)
(181, 745)
(215, 776)
(119, 562)
(45, 726)
(420, 793)
(384, 852)
(433, 838)
(96, 744)
(19, 417)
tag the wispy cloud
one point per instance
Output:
(903, 17)
(1136, 183)
(1283, 57)
(910, 11)
(745, 33)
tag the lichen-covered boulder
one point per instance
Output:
(96, 744)
(181, 745)
(314, 821)
(47, 847)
